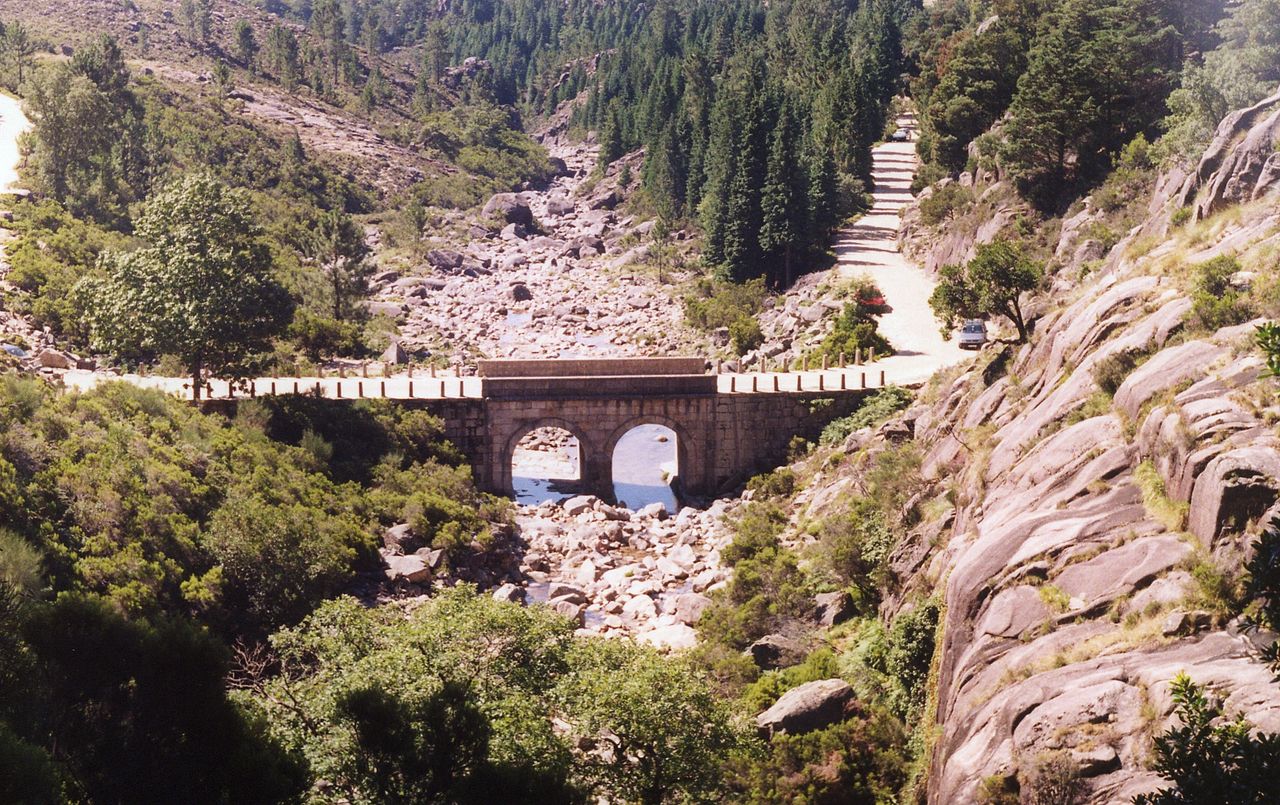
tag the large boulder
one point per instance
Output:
(559, 206)
(833, 608)
(509, 208)
(412, 568)
(690, 606)
(775, 651)
(810, 707)
(675, 636)
(52, 359)
(444, 259)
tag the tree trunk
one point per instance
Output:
(197, 367)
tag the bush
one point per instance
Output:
(860, 760)
(905, 654)
(781, 483)
(855, 332)
(321, 337)
(1110, 372)
(1211, 760)
(944, 203)
(1215, 301)
(855, 547)
(874, 410)
(745, 335)
(717, 304)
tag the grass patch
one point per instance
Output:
(1169, 513)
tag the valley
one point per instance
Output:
(475, 402)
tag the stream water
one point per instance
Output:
(644, 464)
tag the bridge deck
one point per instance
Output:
(424, 387)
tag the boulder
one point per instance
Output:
(775, 651)
(1182, 623)
(690, 606)
(559, 207)
(510, 593)
(510, 208)
(444, 259)
(401, 539)
(410, 568)
(567, 592)
(676, 636)
(520, 293)
(52, 359)
(656, 511)
(570, 609)
(833, 608)
(578, 504)
(604, 201)
(810, 707)
(394, 355)
(514, 232)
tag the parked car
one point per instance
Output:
(973, 335)
(901, 136)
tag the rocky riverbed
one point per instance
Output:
(552, 272)
(644, 574)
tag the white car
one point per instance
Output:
(901, 136)
(973, 335)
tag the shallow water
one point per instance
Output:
(643, 465)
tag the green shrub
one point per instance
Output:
(855, 546)
(1210, 759)
(875, 409)
(944, 203)
(855, 332)
(780, 483)
(860, 760)
(1215, 302)
(745, 335)
(716, 304)
(1262, 587)
(1110, 372)
(905, 654)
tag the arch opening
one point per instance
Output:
(646, 467)
(546, 464)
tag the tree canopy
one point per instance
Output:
(203, 288)
(993, 282)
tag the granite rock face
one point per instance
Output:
(1079, 516)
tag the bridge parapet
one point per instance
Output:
(595, 387)
(591, 367)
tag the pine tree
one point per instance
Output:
(784, 203)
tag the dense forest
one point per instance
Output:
(1071, 84)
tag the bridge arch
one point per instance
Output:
(686, 446)
(588, 461)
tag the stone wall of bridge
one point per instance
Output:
(721, 439)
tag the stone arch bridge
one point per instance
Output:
(725, 432)
(727, 426)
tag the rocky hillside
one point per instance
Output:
(1102, 486)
